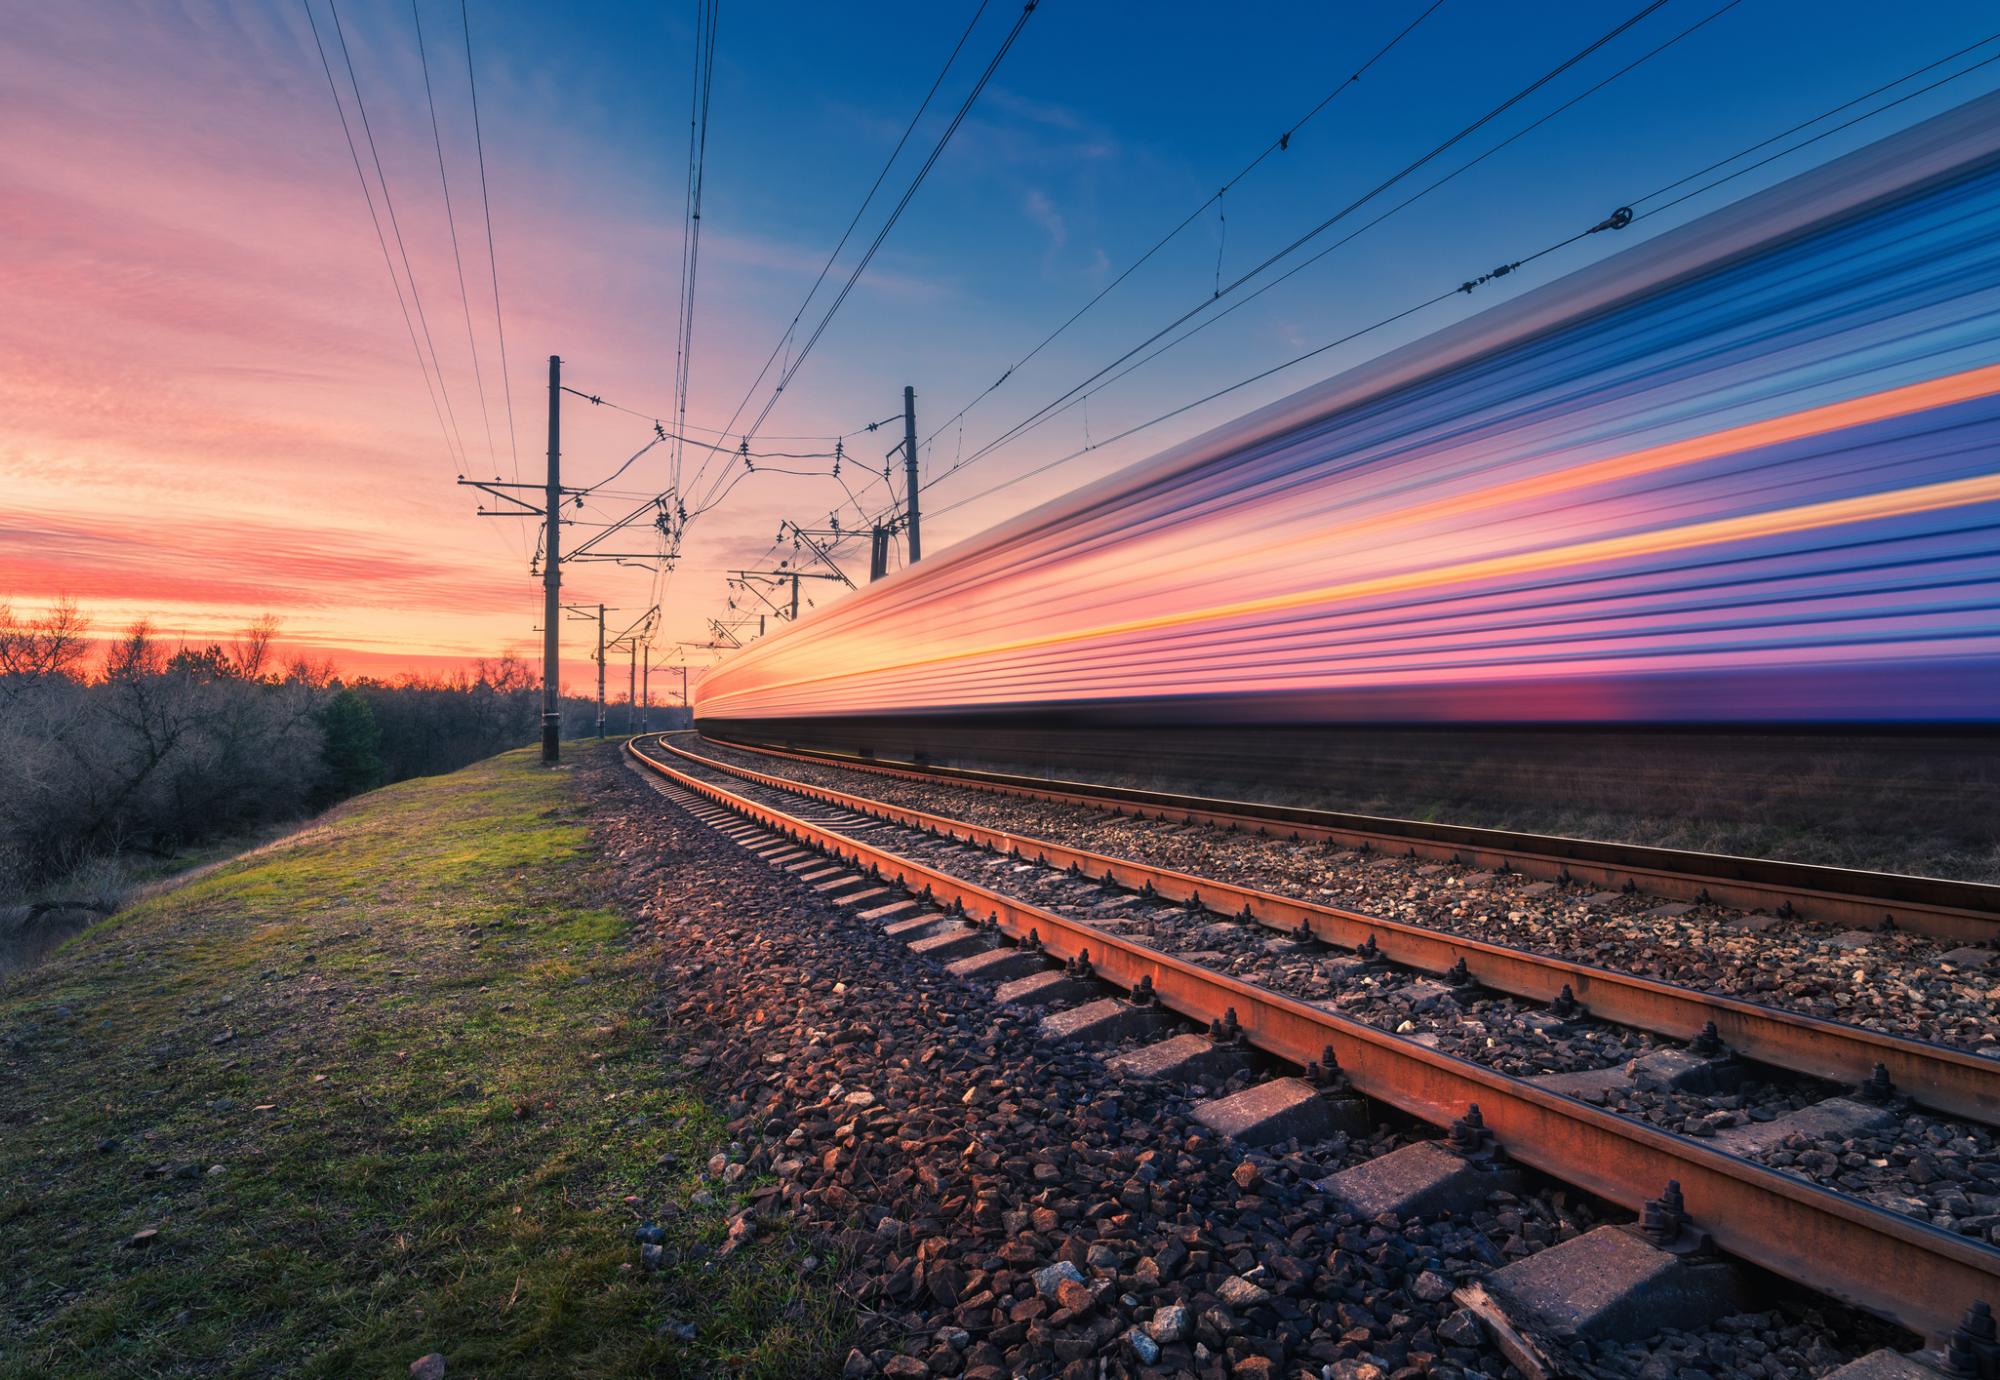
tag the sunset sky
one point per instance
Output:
(211, 405)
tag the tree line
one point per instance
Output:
(159, 747)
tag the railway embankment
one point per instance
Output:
(387, 1092)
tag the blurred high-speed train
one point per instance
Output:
(1745, 473)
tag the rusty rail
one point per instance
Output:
(1938, 1076)
(1911, 1273)
(1968, 912)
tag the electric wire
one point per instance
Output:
(702, 93)
(451, 225)
(1549, 249)
(859, 211)
(1282, 142)
(1348, 238)
(944, 140)
(1347, 210)
(492, 258)
(381, 239)
(389, 205)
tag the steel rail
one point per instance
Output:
(1911, 1273)
(1965, 911)
(1950, 1080)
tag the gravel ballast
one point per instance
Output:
(993, 1203)
(1897, 982)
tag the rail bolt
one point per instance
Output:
(1226, 1031)
(1663, 1218)
(1469, 1135)
(1876, 1087)
(1459, 975)
(1708, 1043)
(1369, 951)
(1325, 1072)
(1143, 994)
(1565, 1005)
(1972, 1349)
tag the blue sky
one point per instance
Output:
(1102, 128)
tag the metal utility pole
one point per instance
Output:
(552, 579)
(752, 581)
(646, 688)
(632, 687)
(910, 469)
(600, 671)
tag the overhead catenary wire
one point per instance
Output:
(1824, 115)
(451, 226)
(861, 267)
(596, 400)
(389, 205)
(1280, 144)
(368, 195)
(1352, 206)
(492, 257)
(701, 93)
(1626, 217)
(859, 211)
(1241, 302)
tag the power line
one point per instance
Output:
(492, 259)
(1054, 410)
(1279, 144)
(388, 204)
(368, 195)
(1323, 226)
(1624, 217)
(451, 224)
(874, 187)
(937, 151)
(596, 401)
(701, 92)
(1823, 115)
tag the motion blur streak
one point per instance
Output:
(1743, 472)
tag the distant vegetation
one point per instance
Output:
(104, 766)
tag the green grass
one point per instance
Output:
(413, 1042)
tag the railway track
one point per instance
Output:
(1968, 912)
(1947, 1079)
(1891, 1265)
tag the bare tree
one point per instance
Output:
(33, 650)
(252, 651)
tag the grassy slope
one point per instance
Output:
(413, 1044)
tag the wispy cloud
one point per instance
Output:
(1043, 213)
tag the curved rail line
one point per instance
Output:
(1939, 1076)
(1947, 909)
(1914, 1274)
